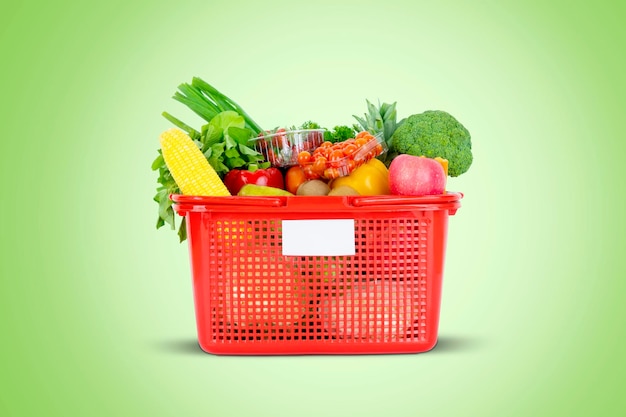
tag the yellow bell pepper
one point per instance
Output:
(444, 164)
(371, 178)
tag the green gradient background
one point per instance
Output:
(96, 315)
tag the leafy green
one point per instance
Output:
(225, 140)
(167, 186)
(309, 124)
(337, 134)
(340, 133)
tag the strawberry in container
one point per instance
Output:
(281, 147)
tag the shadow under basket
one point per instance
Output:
(317, 275)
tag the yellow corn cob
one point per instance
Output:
(190, 169)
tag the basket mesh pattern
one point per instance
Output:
(258, 295)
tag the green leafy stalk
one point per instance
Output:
(225, 103)
(193, 133)
(196, 101)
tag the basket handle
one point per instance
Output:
(375, 200)
(270, 201)
(183, 204)
(448, 201)
(265, 201)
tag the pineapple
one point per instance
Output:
(381, 119)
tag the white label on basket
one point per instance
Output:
(318, 237)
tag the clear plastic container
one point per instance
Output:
(281, 149)
(329, 167)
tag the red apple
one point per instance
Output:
(416, 175)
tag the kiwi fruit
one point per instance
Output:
(313, 187)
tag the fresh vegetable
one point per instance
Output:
(444, 164)
(380, 310)
(381, 120)
(262, 190)
(189, 168)
(333, 160)
(336, 134)
(309, 124)
(237, 178)
(226, 143)
(415, 175)
(371, 178)
(226, 137)
(206, 101)
(241, 152)
(341, 133)
(435, 133)
(342, 190)
(294, 177)
(224, 140)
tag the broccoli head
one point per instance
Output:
(435, 133)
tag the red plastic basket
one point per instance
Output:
(270, 279)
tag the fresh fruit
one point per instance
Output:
(382, 121)
(313, 187)
(294, 177)
(262, 190)
(416, 176)
(281, 146)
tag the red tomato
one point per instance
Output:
(336, 155)
(304, 157)
(331, 173)
(349, 149)
(319, 165)
(360, 141)
(310, 174)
